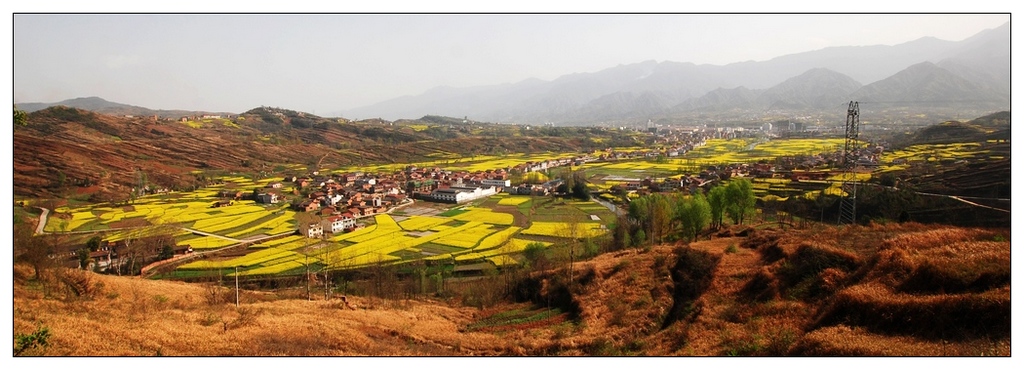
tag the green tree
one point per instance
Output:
(93, 244)
(20, 117)
(579, 188)
(167, 252)
(653, 213)
(694, 215)
(640, 238)
(536, 255)
(662, 210)
(717, 200)
(639, 211)
(740, 200)
(83, 258)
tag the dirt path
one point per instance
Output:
(194, 231)
(42, 220)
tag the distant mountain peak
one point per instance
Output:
(651, 88)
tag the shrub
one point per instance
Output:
(800, 274)
(762, 287)
(948, 316)
(37, 339)
(619, 266)
(79, 284)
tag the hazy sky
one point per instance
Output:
(325, 64)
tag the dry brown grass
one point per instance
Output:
(939, 316)
(878, 290)
(842, 340)
(133, 317)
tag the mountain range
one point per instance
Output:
(100, 105)
(969, 77)
(972, 73)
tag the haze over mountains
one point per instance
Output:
(100, 105)
(969, 76)
(928, 71)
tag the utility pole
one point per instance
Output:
(848, 204)
(236, 286)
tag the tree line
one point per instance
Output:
(659, 217)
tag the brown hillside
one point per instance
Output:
(882, 290)
(94, 152)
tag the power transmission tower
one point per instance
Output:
(848, 203)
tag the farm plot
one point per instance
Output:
(207, 242)
(269, 224)
(285, 240)
(484, 215)
(386, 226)
(355, 234)
(467, 238)
(248, 260)
(497, 239)
(494, 254)
(562, 229)
(379, 249)
(217, 224)
(936, 153)
(422, 223)
(513, 200)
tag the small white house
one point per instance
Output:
(337, 224)
(313, 230)
(267, 198)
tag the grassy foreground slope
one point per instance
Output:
(880, 290)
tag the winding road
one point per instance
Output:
(42, 220)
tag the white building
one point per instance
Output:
(502, 183)
(337, 224)
(460, 194)
(267, 198)
(334, 199)
(313, 230)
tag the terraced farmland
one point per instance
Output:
(466, 235)
(194, 210)
(469, 233)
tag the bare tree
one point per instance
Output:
(32, 249)
(573, 231)
(142, 241)
(327, 256)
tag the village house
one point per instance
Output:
(328, 211)
(267, 198)
(231, 194)
(309, 206)
(338, 224)
(461, 194)
(313, 230)
(501, 183)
